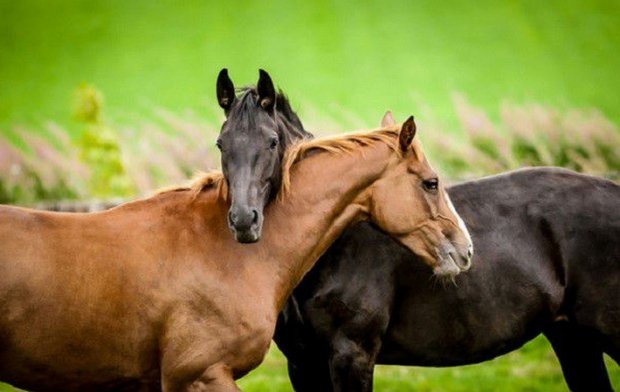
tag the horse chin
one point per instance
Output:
(447, 268)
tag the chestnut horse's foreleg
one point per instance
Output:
(217, 378)
(580, 356)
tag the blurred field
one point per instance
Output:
(338, 57)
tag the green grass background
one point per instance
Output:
(358, 55)
(341, 58)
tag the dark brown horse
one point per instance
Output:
(156, 294)
(547, 262)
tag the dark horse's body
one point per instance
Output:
(547, 260)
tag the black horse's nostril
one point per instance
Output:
(254, 216)
(232, 217)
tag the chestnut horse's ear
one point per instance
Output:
(387, 120)
(225, 90)
(407, 132)
(266, 91)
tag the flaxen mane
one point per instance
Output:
(213, 180)
(340, 144)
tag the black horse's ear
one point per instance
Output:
(407, 132)
(225, 90)
(266, 91)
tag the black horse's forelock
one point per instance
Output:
(247, 101)
(245, 105)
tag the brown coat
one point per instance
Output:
(156, 294)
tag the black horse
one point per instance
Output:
(547, 261)
(259, 125)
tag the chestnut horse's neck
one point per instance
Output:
(328, 192)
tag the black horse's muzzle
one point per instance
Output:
(245, 224)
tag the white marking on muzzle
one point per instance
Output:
(461, 223)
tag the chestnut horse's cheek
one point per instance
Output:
(416, 245)
(395, 218)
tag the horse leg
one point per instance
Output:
(580, 357)
(352, 365)
(217, 378)
(310, 377)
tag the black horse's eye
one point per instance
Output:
(431, 185)
(218, 143)
(274, 143)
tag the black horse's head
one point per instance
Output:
(259, 126)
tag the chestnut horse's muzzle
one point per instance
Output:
(452, 259)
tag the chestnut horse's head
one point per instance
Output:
(259, 126)
(411, 204)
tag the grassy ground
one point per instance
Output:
(362, 56)
(532, 368)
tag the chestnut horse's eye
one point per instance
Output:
(431, 185)
(273, 144)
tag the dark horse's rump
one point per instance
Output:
(547, 260)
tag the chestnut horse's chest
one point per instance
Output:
(220, 322)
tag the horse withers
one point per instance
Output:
(157, 295)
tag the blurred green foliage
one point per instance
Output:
(99, 147)
(530, 135)
(36, 190)
(347, 61)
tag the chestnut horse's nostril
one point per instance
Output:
(470, 253)
(460, 260)
(467, 263)
(254, 216)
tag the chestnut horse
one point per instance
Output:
(156, 294)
